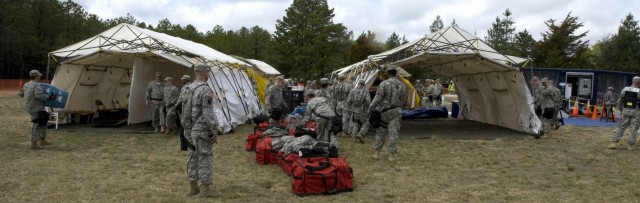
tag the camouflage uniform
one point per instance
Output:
(430, 95)
(274, 100)
(340, 93)
(277, 144)
(324, 92)
(537, 97)
(547, 102)
(630, 114)
(388, 101)
(438, 94)
(204, 126)
(155, 95)
(358, 102)
(171, 95)
(557, 100)
(34, 99)
(298, 143)
(609, 102)
(319, 110)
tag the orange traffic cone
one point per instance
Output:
(587, 113)
(595, 115)
(575, 110)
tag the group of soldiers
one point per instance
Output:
(430, 92)
(547, 100)
(347, 104)
(162, 97)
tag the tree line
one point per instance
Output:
(307, 43)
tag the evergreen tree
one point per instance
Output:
(561, 47)
(392, 42)
(523, 45)
(621, 51)
(437, 24)
(364, 46)
(501, 34)
(307, 40)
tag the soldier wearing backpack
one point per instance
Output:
(340, 93)
(358, 103)
(319, 110)
(199, 117)
(388, 101)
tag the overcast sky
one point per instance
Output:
(406, 17)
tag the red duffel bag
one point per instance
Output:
(345, 174)
(252, 139)
(287, 163)
(264, 153)
(314, 176)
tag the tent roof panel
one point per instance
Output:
(264, 67)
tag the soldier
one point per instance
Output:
(185, 132)
(628, 103)
(388, 101)
(548, 105)
(340, 93)
(203, 133)
(171, 95)
(324, 90)
(557, 101)
(431, 93)
(358, 103)
(34, 99)
(536, 89)
(438, 93)
(320, 111)
(154, 96)
(609, 102)
(274, 101)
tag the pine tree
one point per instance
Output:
(393, 41)
(364, 46)
(437, 24)
(307, 40)
(523, 45)
(501, 34)
(561, 47)
(622, 50)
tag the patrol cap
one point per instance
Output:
(280, 78)
(535, 78)
(341, 77)
(200, 67)
(324, 81)
(417, 80)
(158, 74)
(361, 82)
(34, 73)
(610, 88)
(636, 79)
(544, 80)
(168, 79)
(185, 77)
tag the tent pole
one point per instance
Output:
(48, 65)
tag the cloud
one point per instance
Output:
(409, 17)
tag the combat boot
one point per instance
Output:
(194, 188)
(43, 142)
(157, 130)
(630, 147)
(360, 138)
(392, 157)
(612, 145)
(162, 129)
(34, 145)
(376, 155)
(167, 131)
(206, 191)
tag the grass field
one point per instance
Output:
(572, 166)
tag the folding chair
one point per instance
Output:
(54, 117)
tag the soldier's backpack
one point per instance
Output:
(186, 108)
(264, 153)
(359, 98)
(318, 175)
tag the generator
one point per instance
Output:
(584, 87)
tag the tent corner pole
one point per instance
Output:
(48, 65)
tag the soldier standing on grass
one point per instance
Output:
(547, 103)
(341, 92)
(184, 142)
(171, 95)
(609, 101)
(557, 101)
(536, 89)
(324, 91)
(275, 102)
(203, 133)
(154, 96)
(34, 99)
(388, 101)
(358, 103)
(438, 93)
(628, 103)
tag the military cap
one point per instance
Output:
(34, 73)
(280, 78)
(324, 81)
(158, 74)
(361, 82)
(168, 79)
(200, 68)
(544, 80)
(185, 77)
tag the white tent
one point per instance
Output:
(490, 86)
(117, 65)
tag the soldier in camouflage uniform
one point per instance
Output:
(34, 99)
(340, 94)
(203, 132)
(320, 111)
(557, 101)
(628, 104)
(609, 102)
(358, 103)
(154, 96)
(547, 100)
(536, 90)
(171, 95)
(323, 91)
(438, 93)
(275, 102)
(184, 131)
(388, 101)
(431, 93)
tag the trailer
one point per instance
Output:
(582, 85)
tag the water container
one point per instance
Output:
(455, 109)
